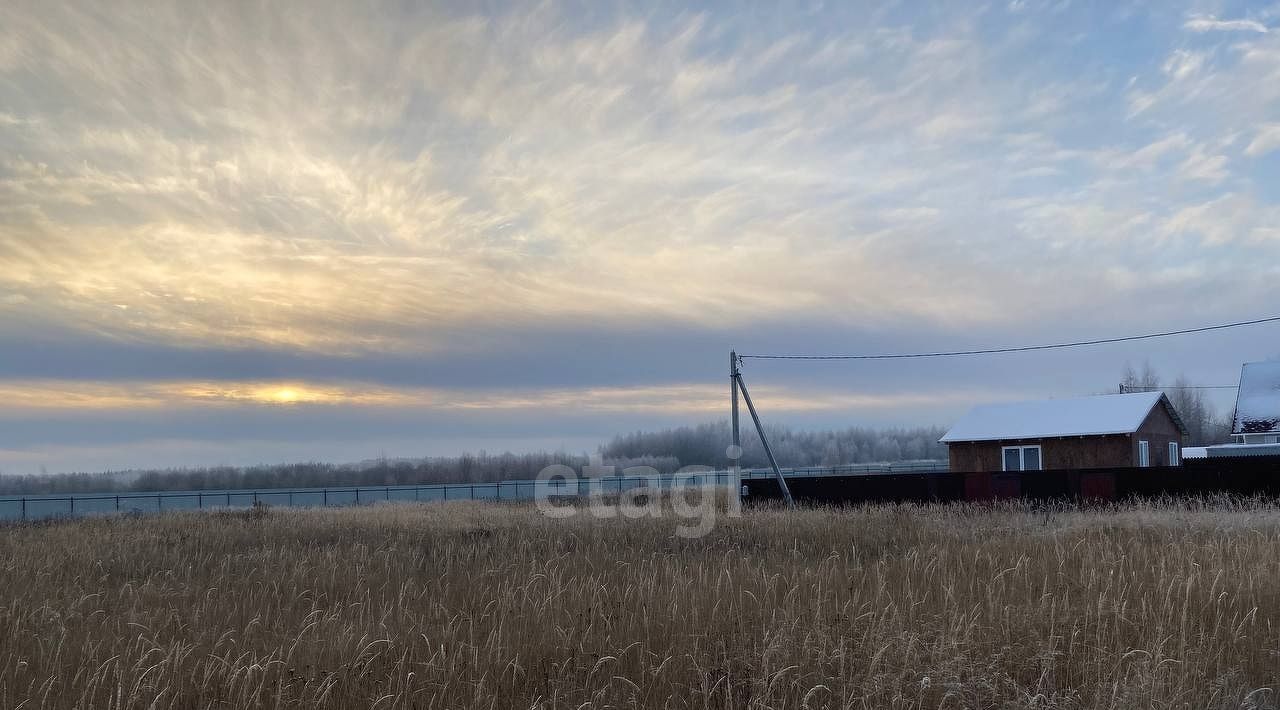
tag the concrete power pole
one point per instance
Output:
(736, 375)
(736, 449)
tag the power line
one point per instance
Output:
(1136, 388)
(1025, 348)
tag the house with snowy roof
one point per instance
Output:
(1102, 431)
(1257, 418)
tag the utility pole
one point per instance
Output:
(736, 449)
(736, 375)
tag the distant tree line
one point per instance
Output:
(665, 451)
(705, 444)
(468, 468)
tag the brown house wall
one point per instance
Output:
(1073, 452)
(1159, 429)
(1076, 452)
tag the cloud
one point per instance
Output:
(304, 207)
(1264, 141)
(1182, 64)
(1207, 168)
(78, 396)
(1209, 23)
(513, 168)
(1231, 218)
(1150, 155)
(249, 211)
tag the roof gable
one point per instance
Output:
(1258, 403)
(1099, 415)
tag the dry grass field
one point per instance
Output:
(495, 606)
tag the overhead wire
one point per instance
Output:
(1018, 349)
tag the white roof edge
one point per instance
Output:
(945, 440)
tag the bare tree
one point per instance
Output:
(1197, 413)
(1145, 381)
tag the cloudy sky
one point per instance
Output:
(243, 232)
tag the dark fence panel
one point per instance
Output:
(946, 488)
(1048, 485)
(977, 485)
(878, 488)
(1097, 485)
(1006, 485)
(1254, 475)
(1152, 482)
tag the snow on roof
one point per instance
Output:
(1258, 403)
(1237, 450)
(1079, 416)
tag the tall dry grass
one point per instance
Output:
(484, 606)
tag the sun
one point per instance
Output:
(285, 395)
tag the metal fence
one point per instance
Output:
(36, 507)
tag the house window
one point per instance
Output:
(1021, 458)
(1174, 460)
(1144, 454)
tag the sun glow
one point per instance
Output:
(285, 396)
(280, 393)
(293, 394)
(691, 398)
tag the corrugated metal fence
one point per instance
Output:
(38, 507)
(1241, 476)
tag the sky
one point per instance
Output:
(236, 233)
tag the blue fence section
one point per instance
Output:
(39, 507)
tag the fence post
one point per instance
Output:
(357, 496)
(290, 499)
(117, 504)
(228, 499)
(159, 503)
(72, 501)
(325, 492)
(24, 508)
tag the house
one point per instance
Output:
(1103, 431)
(1257, 418)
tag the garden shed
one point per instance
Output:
(1102, 431)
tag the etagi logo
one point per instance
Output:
(696, 495)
